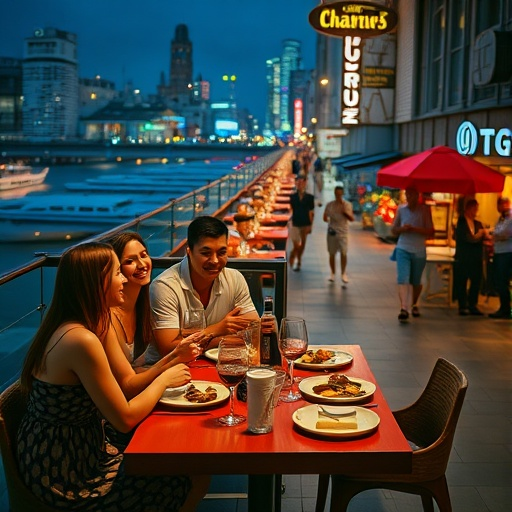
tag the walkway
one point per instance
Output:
(402, 357)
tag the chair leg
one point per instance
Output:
(321, 494)
(342, 491)
(439, 490)
(426, 501)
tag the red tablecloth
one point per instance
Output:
(196, 444)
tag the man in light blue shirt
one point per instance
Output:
(413, 225)
(502, 260)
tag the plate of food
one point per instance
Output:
(357, 422)
(336, 388)
(322, 358)
(196, 394)
(212, 354)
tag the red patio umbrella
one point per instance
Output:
(441, 169)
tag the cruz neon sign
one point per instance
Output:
(351, 80)
(363, 19)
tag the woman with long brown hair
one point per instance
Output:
(130, 328)
(62, 454)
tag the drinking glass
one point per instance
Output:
(293, 343)
(194, 320)
(232, 365)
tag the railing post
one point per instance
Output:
(171, 242)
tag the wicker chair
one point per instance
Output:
(13, 404)
(429, 426)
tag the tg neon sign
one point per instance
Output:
(468, 138)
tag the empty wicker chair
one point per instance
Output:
(13, 404)
(429, 426)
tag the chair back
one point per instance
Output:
(431, 421)
(13, 404)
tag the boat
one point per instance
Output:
(20, 175)
(57, 217)
(148, 181)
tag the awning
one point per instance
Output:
(345, 158)
(377, 160)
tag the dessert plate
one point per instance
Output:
(306, 417)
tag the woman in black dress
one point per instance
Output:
(469, 253)
(63, 457)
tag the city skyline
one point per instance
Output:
(128, 45)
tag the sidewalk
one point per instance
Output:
(402, 357)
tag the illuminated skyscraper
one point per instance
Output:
(273, 75)
(50, 85)
(290, 61)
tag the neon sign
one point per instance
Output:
(468, 138)
(351, 80)
(363, 19)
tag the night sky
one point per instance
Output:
(129, 40)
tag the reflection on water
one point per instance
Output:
(16, 193)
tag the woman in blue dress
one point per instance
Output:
(63, 457)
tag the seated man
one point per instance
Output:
(201, 280)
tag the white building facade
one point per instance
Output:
(50, 85)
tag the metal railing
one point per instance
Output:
(26, 290)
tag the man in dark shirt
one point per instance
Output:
(303, 206)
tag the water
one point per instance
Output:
(13, 255)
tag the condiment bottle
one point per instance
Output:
(269, 350)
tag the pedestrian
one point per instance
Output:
(502, 261)
(338, 214)
(413, 226)
(303, 211)
(469, 256)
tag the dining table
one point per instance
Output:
(176, 440)
(273, 219)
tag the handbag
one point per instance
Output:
(331, 231)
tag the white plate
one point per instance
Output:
(337, 361)
(174, 392)
(306, 388)
(181, 401)
(306, 417)
(212, 354)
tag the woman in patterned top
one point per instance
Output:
(63, 457)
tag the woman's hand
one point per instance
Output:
(176, 376)
(191, 347)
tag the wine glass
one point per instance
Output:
(293, 343)
(194, 320)
(232, 365)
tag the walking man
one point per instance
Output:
(503, 257)
(303, 211)
(413, 225)
(338, 214)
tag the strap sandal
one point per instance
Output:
(415, 311)
(403, 316)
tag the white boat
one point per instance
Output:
(20, 175)
(67, 217)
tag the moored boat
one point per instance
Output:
(67, 217)
(20, 175)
